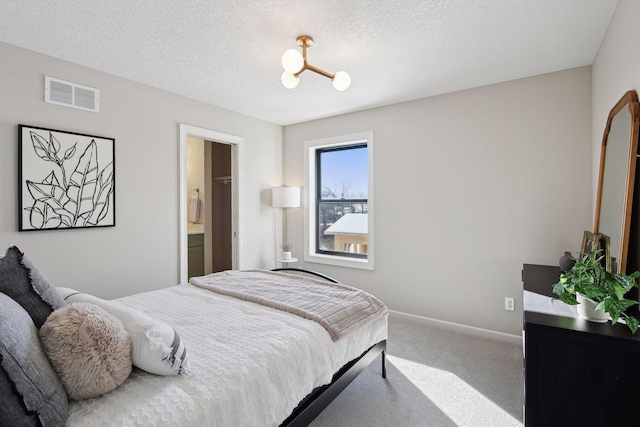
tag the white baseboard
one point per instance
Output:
(485, 333)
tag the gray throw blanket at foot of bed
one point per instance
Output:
(340, 309)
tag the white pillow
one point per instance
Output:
(155, 346)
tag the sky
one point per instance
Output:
(345, 166)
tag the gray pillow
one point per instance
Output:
(22, 281)
(30, 391)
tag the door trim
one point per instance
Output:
(237, 172)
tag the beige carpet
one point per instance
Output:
(435, 377)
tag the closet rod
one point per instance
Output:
(222, 179)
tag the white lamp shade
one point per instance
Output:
(286, 197)
(341, 80)
(289, 80)
(292, 61)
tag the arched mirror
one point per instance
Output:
(617, 175)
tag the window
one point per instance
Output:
(339, 212)
(341, 201)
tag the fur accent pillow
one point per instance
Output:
(155, 346)
(89, 349)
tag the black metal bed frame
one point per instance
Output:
(311, 272)
(321, 397)
(311, 406)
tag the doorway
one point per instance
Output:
(218, 225)
(213, 237)
(209, 207)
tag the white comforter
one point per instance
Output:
(250, 365)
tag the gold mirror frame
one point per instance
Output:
(617, 176)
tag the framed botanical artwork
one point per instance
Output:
(605, 245)
(66, 180)
(590, 243)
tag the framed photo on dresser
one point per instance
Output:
(590, 243)
(605, 245)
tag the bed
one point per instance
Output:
(249, 364)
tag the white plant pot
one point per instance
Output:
(286, 255)
(587, 310)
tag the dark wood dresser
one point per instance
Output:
(577, 373)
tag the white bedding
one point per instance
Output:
(250, 365)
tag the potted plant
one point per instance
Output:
(588, 285)
(286, 250)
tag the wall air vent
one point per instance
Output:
(69, 94)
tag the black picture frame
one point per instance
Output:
(66, 180)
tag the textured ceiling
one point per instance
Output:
(227, 52)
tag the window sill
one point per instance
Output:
(363, 264)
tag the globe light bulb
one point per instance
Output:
(289, 80)
(341, 81)
(292, 61)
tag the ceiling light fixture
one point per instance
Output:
(295, 63)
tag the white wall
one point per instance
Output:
(468, 187)
(615, 70)
(142, 252)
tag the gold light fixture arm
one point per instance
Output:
(304, 42)
(314, 69)
(295, 64)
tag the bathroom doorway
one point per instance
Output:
(209, 200)
(218, 224)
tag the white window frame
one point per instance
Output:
(310, 253)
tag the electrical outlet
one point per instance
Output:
(509, 304)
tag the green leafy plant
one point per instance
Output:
(607, 290)
(286, 247)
